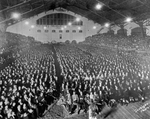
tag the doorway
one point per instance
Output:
(60, 36)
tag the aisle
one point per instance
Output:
(58, 72)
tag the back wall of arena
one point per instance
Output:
(55, 31)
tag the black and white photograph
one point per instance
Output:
(74, 59)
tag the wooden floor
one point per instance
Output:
(130, 112)
(127, 112)
(122, 112)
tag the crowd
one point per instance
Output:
(23, 69)
(102, 77)
(15, 45)
(28, 85)
(86, 76)
(123, 42)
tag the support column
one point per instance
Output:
(110, 31)
(142, 29)
(122, 29)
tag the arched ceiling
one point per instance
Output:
(114, 11)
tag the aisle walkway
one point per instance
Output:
(58, 72)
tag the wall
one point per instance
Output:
(22, 28)
(87, 29)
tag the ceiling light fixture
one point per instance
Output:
(65, 27)
(94, 27)
(107, 25)
(98, 6)
(128, 19)
(26, 23)
(15, 15)
(32, 26)
(69, 23)
(77, 19)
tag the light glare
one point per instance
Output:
(15, 15)
(79, 28)
(94, 27)
(107, 24)
(26, 23)
(98, 6)
(65, 27)
(128, 19)
(69, 23)
(32, 26)
(77, 19)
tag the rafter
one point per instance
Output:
(144, 3)
(18, 5)
(118, 4)
(87, 6)
(113, 9)
(86, 9)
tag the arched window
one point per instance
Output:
(80, 31)
(60, 31)
(74, 31)
(39, 31)
(67, 31)
(53, 31)
(46, 31)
